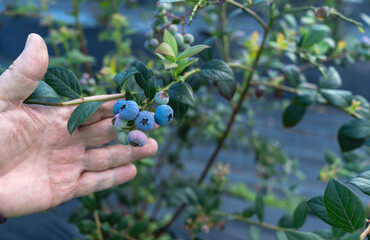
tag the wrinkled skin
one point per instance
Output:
(41, 165)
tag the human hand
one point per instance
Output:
(41, 165)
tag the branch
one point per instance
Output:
(79, 101)
(228, 128)
(250, 12)
(366, 232)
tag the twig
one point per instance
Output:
(79, 101)
(366, 232)
(249, 11)
(98, 225)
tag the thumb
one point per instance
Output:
(22, 77)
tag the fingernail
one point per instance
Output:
(28, 39)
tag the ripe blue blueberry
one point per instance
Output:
(145, 121)
(163, 115)
(122, 137)
(129, 110)
(161, 98)
(118, 106)
(118, 123)
(137, 138)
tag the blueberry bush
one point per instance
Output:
(213, 89)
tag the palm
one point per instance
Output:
(41, 165)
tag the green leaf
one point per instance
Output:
(305, 99)
(170, 40)
(181, 92)
(151, 88)
(286, 221)
(192, 51)
(352, 135)
(314, 35)
(353, 236)
(221, 73)
(165, 49)
(281, 236)
(249, 212)
(259, 206)
(293, 75)
(356, 128)
(254, 233)
(318, 208)
(291, 235)
(300, 215)
(143, 75)
(348, 144)
(63, 81)
(337, 233)
(140, 97)
(81, 114)
(207, 54)
(332, 79)
(344, 207)
(43, 90)
(86, 226)
(139, 228)
(293, 114)
(122, 77)
(362, 182)
(179, 110)
(169, 64)
(338, 98)
(184, 65)
(181, 98)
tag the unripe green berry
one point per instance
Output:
(153, 43)
(179, 39)
(172, 29)
(189, 38)
(149, 35)
(122, 138)
(184, 47)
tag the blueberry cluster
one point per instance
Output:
(161, 22)
(143, 121)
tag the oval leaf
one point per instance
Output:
(332, 79)
(353, 135)
(259, 206)
(181, 92)
(43, 90)
(122, 77)
(81, 114)
(171, 41)
(338, 98)
(221, 73)
(291, 235)
(362, 182)
(165, 49)
(318, 208)
(344, 207)
(192, 51)
(63, 81)
(293, 114)
(300, 215)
